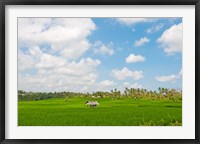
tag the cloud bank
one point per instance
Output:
(172, 39)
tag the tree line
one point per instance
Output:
(162, 93)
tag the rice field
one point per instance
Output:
(118, 112)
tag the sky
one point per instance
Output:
(99, 54)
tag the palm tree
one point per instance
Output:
(159, 89)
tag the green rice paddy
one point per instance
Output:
(118, 112)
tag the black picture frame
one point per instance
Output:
(4, 3)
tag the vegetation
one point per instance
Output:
(162, 93)
(133, 107)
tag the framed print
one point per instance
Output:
(99, 71)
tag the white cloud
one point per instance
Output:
(106, 83)
(36, 59)
(155, 28)
(132, 21)
(83, 67)
(55, 81)
(55, 73)
(128, 85)
(170, 78)
(171, 39)
(100, 48)
(51, 48)
(48, 61)
(126, 73)
(25, 61)
(134, 58)
(35, 51)
(66, 36)
(141, 41)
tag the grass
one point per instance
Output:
(121, 112)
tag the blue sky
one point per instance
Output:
(91, 54)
